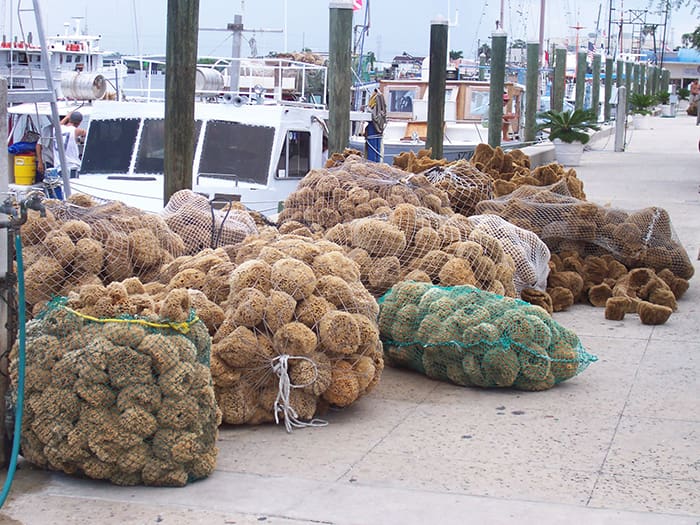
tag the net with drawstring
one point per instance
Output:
(475, 338)
(126, 398)
(299, 333)
(641, 238)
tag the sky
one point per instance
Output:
(139, 26)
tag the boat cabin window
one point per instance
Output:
(295, 157)
(149, 158)
(109, 145)
(237, 152)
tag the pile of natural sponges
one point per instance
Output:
(357, 188)
(120, 400)
(465, 185)
(73, 245)
(643, 238)
(414, 243)
(511, 169)
(474, 338)
(296, 312)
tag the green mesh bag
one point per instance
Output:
(476, 338)
(126, 399)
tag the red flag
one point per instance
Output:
(356, 5)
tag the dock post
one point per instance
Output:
(436, 86)
(339, 74)
(482, 66)
(180, 76)
(642, 80)
(629, 70)
(620, 74)
(607, 113)
(581, 66)
(621, 119)
(532, 90)
(498, 78)
(595, 86)
(559, 85)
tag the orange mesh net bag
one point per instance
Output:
(201, 226)
(642, 238)
(127, 397)
(414, 243)
(73, 245)
(299, 333)
(357, 188)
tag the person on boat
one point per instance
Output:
(508, 118)
(375, 127)
(71, 133)
(44, 152)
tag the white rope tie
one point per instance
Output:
(280, 366)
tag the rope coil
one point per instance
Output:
(280, 366)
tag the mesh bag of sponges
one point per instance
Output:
(73, 245)
(357, 188)
(201, 226)
(299, 335)
(475, 338)
(127, 399)
(465, 185)
(414, 243)
(642, 238)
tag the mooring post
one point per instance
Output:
(595, 86)
(180, 76)
(607, 113)
(532, 90)
(581, 66)
(496, 85)
(339, 74)
(436, 86)
(559, 85)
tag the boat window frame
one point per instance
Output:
(284, 170)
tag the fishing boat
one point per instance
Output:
(252, 144)
(466, 117)
(77, 63)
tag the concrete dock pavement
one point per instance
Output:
(619, 443)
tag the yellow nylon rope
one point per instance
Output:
(183, 327)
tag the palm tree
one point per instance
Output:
(456, 55)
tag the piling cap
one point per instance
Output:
(76, 117)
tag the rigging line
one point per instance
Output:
(478, 26)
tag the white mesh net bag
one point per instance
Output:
(529, 253)
(201, 226)
(642, 238)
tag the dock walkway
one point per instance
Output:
(619, 444)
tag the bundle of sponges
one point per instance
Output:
(123, 400)
(336, 159)
(299, 335)
(464, 184)
(357, 188)
(414, 243)
(596, 279)
(511, 169)
(417, 163)
(201, 225)
(74, 245)
(644, 292)
(639, 239)
(474, 338)
(529, 253)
